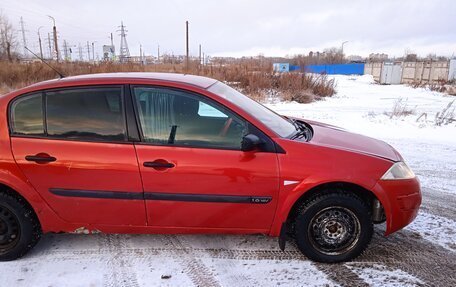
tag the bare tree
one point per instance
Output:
(7, 39)
(333, 55)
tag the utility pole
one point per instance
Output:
(93, 51)
(80, 52)
(24, 40)
(343, 43)
(50, 46)
(39, 41)
(124, 51)
(65, 50)
(56, 47)
(186, 48)
(200, 54)
(158, 54)
(113, 50)
(88, 51)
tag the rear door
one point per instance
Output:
(72, 145)
(193, 170)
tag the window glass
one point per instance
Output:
(89, 113)
(277, 123)
(27, 115)
(180, 118)
(206, 110)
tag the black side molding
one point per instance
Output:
(97, 194)
(161, 196)
(207, 198)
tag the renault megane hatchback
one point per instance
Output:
(171, 153)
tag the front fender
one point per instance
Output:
(306, 166)
(290, 195)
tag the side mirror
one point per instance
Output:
(250, 142)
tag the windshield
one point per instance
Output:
(275, 122)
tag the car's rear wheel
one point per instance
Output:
(19, 227)
(333, 227)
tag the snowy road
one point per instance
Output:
(423, 254)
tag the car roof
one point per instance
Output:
(199, 81)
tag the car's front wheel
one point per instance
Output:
(333, 227)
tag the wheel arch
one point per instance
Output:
(47, 218)
(6, 189)
(363, 193)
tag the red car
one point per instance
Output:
(170, 153)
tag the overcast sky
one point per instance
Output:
(246, 28)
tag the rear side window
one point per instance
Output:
(27, 115)
(89, 113)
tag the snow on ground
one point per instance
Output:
(380, 275)
(266, 273)
(436, 229)
(422, 254)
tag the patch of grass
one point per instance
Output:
(400, 109)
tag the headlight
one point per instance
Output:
(399, 170)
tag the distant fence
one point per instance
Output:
(385, 73)
(412, 72)
(337, 69)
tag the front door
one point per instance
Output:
(72, 146)
(194, 173)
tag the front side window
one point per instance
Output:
(27, 115)
(275, 122)
(173, 117)
(86, 113)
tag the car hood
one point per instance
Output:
(332, 136)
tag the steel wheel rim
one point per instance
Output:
(334, 230)
(9, 230)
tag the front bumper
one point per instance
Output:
(401, 202)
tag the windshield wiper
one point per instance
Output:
(301, 130)
(295, 124)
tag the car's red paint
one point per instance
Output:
(335, 137)
(86, 166)
(332, 156)
(210, 171)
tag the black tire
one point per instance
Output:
(333, 227)
(20, 230)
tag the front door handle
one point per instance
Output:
(159, 164)
(40, 158)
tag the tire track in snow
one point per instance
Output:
(378, 274)
(195, 269)
(439, 203)
(404, 250)
(421, 258)
(120, 271)
(341, 275)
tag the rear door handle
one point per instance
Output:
(40, 158)
(159, 164)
